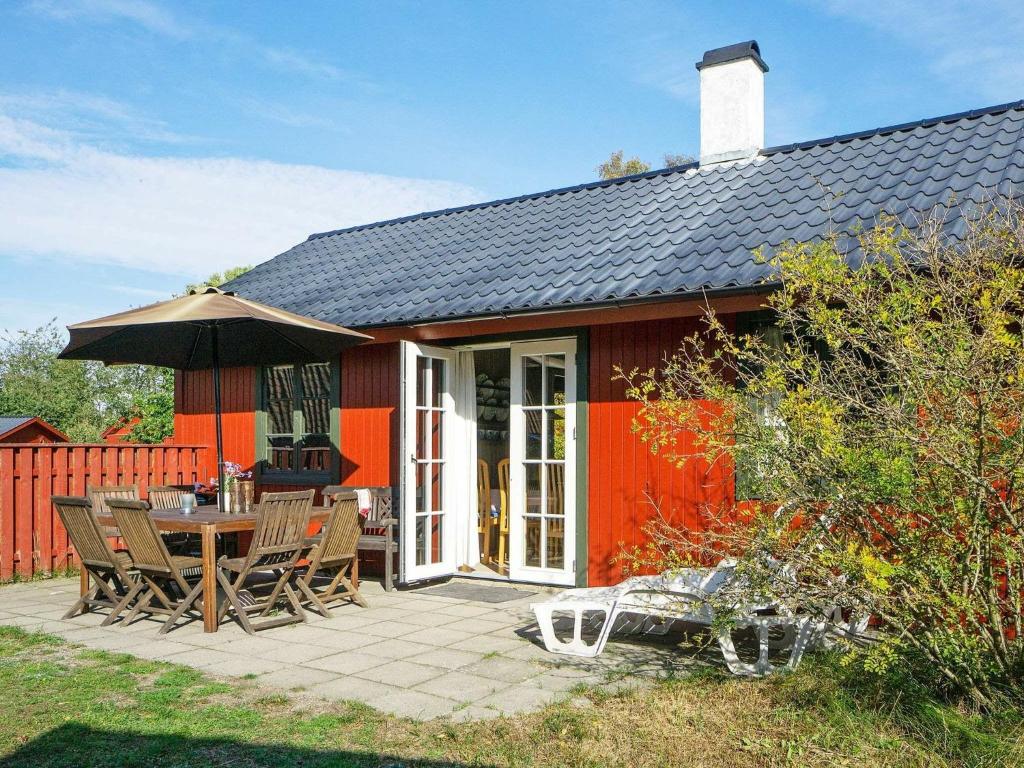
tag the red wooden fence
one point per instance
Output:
(32, 539)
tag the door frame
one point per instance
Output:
(518, 570)
(408, 570)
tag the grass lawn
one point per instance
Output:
(63, 705)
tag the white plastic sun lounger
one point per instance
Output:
(652, 603)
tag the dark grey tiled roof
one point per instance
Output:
(7, 423)
(666, 233)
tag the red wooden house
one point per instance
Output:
(498, 326)
(29, 429)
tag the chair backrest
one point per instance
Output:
(483, 493)
(504, 485)
(100, 493)
(341, 534)
(381, 504)
(282, 522)
(556, 488)
(147, 549)
(165, 497)
(87, 537)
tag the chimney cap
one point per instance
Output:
(734, 52)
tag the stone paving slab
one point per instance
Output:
(410, 654)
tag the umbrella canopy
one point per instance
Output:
(208, 329)
(179, 334)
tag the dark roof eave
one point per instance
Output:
(665, 298)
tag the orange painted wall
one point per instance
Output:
(194, 422)
(370, 381)
(369, 415)
(624, 477)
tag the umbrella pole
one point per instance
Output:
(216, 407)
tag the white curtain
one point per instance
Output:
(462, 460)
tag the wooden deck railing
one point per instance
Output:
(32, 539)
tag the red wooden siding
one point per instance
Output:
(194, 415)
(369, 415)
(624, 477)
(32, 539)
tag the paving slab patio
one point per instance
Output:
(409, 653)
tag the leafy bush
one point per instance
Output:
(878, 431)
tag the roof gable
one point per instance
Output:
(666, 233)
(11, 425)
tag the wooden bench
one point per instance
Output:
(379, 526)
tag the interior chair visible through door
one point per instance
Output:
(484, 521)
(503, 529)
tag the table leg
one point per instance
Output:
(209, 578)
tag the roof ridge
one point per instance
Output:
(781, 148)
(896, 128)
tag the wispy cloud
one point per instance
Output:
(973, 45)
(70, 198)
(146, 14)
(89, 116)
(660, 61)
(159, 20)
(287, 115)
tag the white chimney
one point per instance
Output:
(731, 103)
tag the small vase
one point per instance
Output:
(236, 499)
(245, 490)
(227, 500)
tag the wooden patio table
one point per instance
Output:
(207, 522)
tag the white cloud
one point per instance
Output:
(70, 198)
(147, 15)
(974, 45)
(158, 20)
(89, 116)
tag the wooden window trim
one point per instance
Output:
(298, 476)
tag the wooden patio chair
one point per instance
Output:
(378, 527)
(169, 497)
(161, 577)
(282, 520)
(165, 497)
(335, 554)
(113, 584)
(99, 494)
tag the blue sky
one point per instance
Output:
(144, 144)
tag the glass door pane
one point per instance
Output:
(428, 404)
(543, 418)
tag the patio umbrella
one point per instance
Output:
(210, 328)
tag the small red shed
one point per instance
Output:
(120, 431)
(29, 429)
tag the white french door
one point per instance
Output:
(427, 523)
(542, 430)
